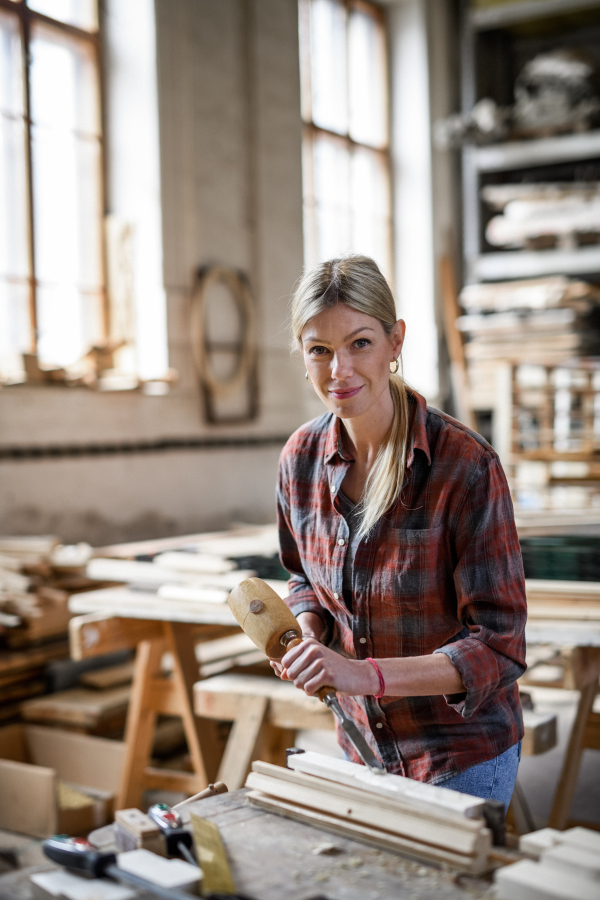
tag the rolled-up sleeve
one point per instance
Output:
(490, 590)
(302, 597)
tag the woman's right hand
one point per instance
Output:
(312, 626)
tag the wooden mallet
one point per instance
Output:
(270, 624)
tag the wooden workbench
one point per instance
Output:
(273, 858)
(119, 618)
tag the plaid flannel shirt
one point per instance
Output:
(441, 572)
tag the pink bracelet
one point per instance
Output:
(380, 676)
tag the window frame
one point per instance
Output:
(310, 129)
(93, 39)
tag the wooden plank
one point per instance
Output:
(98, 633)
(201, 736)
(356, 793)
(561, 806)
(528, 880)
(224, 697)
(77, 706)
(568, 589)
(22, 660)
(264, 537)
(109, 677)
(130, 604)
(458, 369)
(148, 573)
(242, 742)
(357, 806)
(361, 832)
(568, 856)
(28, 798)
(141, 720)
(591, 736)
(392, 786)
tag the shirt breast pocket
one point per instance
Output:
(411, 563)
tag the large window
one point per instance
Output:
(347, 205)
(51, 204)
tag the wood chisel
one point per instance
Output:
(271, 625)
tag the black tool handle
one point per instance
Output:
(78, 855)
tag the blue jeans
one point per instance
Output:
(491, 780)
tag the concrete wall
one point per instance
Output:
(230, 192)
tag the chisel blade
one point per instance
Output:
(365, 752)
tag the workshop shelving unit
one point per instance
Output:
(495, 43)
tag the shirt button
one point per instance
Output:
(336, 596)
(341, 542)
(333, 488)
(379, 725)
(363, 640)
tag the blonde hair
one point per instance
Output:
(358, 282)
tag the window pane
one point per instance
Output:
(332, 193)
(81, 13)
(371, 213)
(347, 203)
(67, 197)
(328, 69)
(367, 79)
(15, 324)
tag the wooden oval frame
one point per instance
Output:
(238, 287)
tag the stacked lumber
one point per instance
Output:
(561, 865)
(542, 321)
(37, 577)
(22, 675)
(419, 820)
(543, 216)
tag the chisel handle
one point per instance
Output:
(325, 693)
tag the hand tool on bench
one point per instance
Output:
(219, 787)
(271, 625)
(178, 841)
(78, 855)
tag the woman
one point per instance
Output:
(397, 528)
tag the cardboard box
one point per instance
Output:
(35, 759)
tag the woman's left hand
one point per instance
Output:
(311, 666)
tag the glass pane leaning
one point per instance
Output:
(67, 195)
(15, 321)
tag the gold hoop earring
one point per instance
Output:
(307, 377)
(392, 371)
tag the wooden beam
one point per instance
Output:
(458, 367)
(242, 742)
(97, 633)
(394, 787)
(464, 837)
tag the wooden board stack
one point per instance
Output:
(37, 577)
(538, 321)
(420, 820)
(562, 865)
